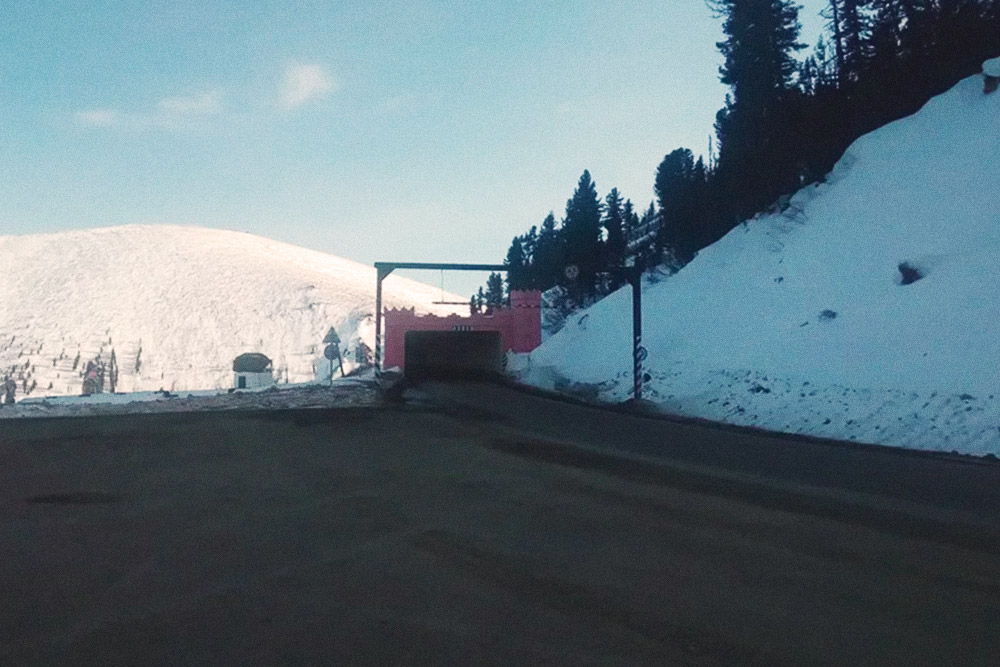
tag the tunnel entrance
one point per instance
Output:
(453, 354)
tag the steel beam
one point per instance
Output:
(390, 266)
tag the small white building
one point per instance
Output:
(252, 370)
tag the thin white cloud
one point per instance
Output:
(205, 104)
(304, 83)
(169, 112)
(97, 117)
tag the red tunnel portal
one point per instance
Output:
(519, 326)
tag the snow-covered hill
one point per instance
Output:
(800, 321)
(177, 304)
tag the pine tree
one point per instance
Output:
(887, 23)
(645, 253)
(517, 275)
(903, 33)
(650, 212)
(832, 15)
(808, 75)
(529, 243)
(700, 211)
(630, 219)
(761, 37)
(825, 70)
(582, 233)
(855, 37)
(846, 19)
(759, 68)
(548, 257)
(494, 291)
(674, 187)
(614, 228)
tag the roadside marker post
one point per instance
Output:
(634, 273)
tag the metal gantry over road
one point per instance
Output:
(382, 271)
(632, 273)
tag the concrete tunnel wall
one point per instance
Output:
(450, 354)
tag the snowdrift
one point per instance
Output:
(869, 309)
(177, 304)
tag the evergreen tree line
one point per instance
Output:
(591, 237)
(785, 123)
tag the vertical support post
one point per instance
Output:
(378, 323)
(638, 353)
(381, 273)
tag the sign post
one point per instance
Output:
(332, 351)
(634, 273)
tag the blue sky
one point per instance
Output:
(427, 130)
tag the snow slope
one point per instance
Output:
(798, 321)
(177, 304)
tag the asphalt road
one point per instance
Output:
(478, 525)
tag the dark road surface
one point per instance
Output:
(479, 525)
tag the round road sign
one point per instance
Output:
(331, 352)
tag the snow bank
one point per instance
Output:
(343, 392)
(177, 304)
(811, 321)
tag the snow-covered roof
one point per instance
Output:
(251, 362)
(992, 67)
